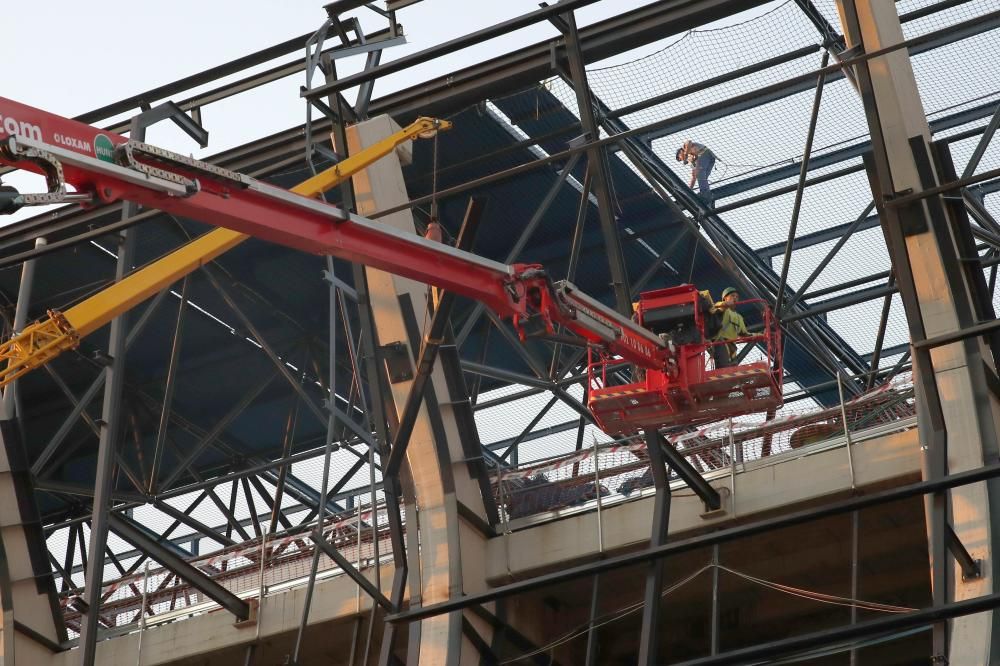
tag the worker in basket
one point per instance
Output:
(731, 327)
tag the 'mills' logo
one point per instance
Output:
(104, 148)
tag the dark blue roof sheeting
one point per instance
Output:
(282, 293)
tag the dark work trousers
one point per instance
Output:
(722, 354)
(703, 166)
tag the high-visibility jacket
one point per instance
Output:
(733, 325)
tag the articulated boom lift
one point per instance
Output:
(687, 390)
(104, 167)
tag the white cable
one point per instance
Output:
(819, 596)
(786, 589)
(615, 615)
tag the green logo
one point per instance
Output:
(104, 148)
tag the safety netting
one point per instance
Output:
(728, 88)
(274, 564)
(603, 470)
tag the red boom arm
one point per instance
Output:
(110, 168)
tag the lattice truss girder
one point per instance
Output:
(751, 165)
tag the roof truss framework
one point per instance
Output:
(551, 368)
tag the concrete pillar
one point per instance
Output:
(970, 413)
(27, 593)
(31, 616)
(452, 553)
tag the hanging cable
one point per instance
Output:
(818, 596)
(434, 181)
(605, 619)
(786, 589)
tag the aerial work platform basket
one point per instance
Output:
(688, 389)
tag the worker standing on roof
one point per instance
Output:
(733, 327)
(702, 160)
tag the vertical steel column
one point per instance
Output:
(715, 600)
(168, 391)
(847, 434)
(855, 527)
(654, 575)
(592, 630)
(799, 190)
(574, 256)
(7, 408)
(883, 323)
(114, 383)
(327, 450)
(938, 299)
(382, 405)
(286, 449)
(28, 603)
(597, 166)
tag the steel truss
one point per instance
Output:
(363, 419)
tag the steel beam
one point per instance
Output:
(734, 256)
(971, 567)
(24, 288)
(847, 154)
(270, 504)
(80, 406)
(727, 77)
(503, 629)
(599, 40)
(828, 257)
(819, 237)
(724, 535)
(888, 92)
(840, 302)
(880, 335)
(334, 295)
(425, 363)
(286, 450)
(804, 82)
(198, 526)
(527, 66)
(850, 633)
(685, 470)
(349, 569)
(536, 367)
(168, 390)
(307, 400)
(140, 538)
(229, 512)
(445, 48)
(983, 144)
(218, 429)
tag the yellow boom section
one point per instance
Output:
(42, 341)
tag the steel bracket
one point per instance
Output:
(397, 362)
(978, 571)
(709, 513)
(251, 620)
